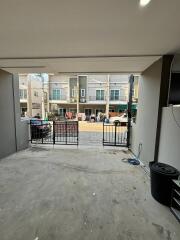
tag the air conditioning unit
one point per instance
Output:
(73, 100)
(82, 100)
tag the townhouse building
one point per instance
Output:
(87, 94)
(33, 92)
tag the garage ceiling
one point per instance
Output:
(86, 35)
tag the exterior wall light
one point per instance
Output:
(143, 3)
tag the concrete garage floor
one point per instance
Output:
(73, 194)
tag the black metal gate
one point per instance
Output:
(54, 132)
(115, 134)
(118, 134)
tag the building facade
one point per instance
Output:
(33, 92)
(87, 94)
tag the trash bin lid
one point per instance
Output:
(164, 169)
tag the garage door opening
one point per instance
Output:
(91, 109)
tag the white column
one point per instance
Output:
(107, 96)
(77, 94)
(43, 111)
(48, 89)
(29, 96)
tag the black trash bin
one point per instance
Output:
(161, 181)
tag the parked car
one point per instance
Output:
(39, 128)
(119, 119)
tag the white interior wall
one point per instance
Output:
(144, 131)
(169, 147)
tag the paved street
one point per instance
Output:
(92, 133)
(90, 126)
(90, 138)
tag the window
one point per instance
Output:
(100, 95)
(62, 111)
(23, 111)
(87, 111)
(74, 92)
(56, 94)
(83, 92)
(114, 96)
(23, 94)
(35, 93)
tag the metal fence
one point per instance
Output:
(54, 132)
(115, 134)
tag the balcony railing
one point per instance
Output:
(120, 98)
(103, 98)
(95, 98)
(58, 98)
(81, 100)
(88, 99)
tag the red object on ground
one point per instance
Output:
(69, 115)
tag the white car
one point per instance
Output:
(122, 119)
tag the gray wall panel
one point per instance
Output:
(7, 124)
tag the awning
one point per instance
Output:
(123, 107)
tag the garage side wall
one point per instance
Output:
(144, 131)
(7, 123)
(11, 128)
(169, 148)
